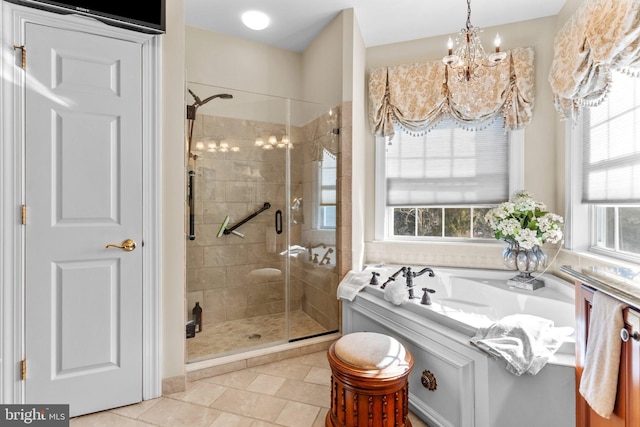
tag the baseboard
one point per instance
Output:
(174, 384)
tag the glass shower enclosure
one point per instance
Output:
(260, 221)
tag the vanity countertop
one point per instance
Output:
(618, 282)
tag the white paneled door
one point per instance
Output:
(83, 191)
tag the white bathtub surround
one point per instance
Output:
(524, 341)
(473, 389)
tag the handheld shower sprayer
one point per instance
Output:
(191, 109)
(191, 112)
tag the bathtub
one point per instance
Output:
(474, 389)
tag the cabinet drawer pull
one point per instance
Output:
(624, 335)
(428, 380)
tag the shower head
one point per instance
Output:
(219, 95)
(191, 109)
(198, 102)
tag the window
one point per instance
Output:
(441, 184)
(611, 169)
(327, 206)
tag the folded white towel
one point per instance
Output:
(524, 341)
(355, 281)
(352, 284)
(599, 382)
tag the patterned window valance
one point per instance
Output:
(602, 35)
(418, 96)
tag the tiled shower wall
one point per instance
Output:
(237, 184)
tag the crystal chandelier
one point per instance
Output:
(469, 57)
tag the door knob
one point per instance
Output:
(126, 245)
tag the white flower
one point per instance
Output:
(509, 226)
(525, 221)
(527, 238)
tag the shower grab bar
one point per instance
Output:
(192, 226)
(266, 206)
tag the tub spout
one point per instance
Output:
(410, 275)
(425, 270)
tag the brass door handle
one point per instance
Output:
(126, 245)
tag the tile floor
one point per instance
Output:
(234, 335)
(293, 393)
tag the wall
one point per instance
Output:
(540, 175)
(173, 199)
(353, 155)
(219, 60)
(322, 66)
(236, 184)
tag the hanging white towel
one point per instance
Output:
(599, 382)
(524, 341)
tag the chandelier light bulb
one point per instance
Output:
(273, 140)
(211, 147)
(199, 146)
(259, 142)
(450, 45)
(496, 42)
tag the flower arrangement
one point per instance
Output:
(525, 221)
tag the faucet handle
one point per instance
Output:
(374, 278)
(426, 300)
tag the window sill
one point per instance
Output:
(587, 258)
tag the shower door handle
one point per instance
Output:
(279, 221)
(127, 245)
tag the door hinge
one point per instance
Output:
(24, 214)
(23, 53)
(23, 369)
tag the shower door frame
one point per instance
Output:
(207, 129)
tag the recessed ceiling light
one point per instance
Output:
(255, 20)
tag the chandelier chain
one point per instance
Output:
(468, 14)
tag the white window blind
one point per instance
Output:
(611, 156)
(448, 166)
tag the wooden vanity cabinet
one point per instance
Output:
(627, 409)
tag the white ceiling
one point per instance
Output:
(295, 23)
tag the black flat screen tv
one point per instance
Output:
(146, 16)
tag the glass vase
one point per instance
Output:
(526, 261)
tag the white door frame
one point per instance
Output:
(12, 186)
